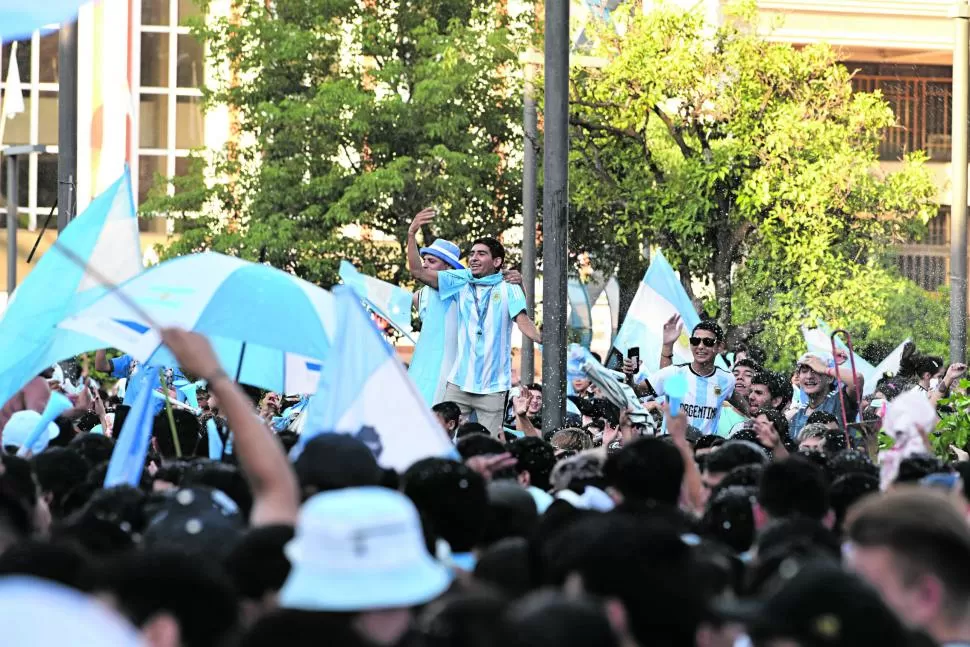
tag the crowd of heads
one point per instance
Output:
(578, 535)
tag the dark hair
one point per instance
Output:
(551, 619)
(450, 411)
(834, 441)
(779, 420)
(851, 461)
(469, 428)
(94, 448)
(732, 454)
(913, 468)
(711, 327)
(478, 444)
(535, 456)
(821, 418)
(729, 517)
(468, 619)
(648, 469)
(226, 478)
(18, 499)
(495, 248)
(640, 562)
(771, 380)
(193, 590)
(793, 487)
(748, 363)
(59, 470)
(109, 522)
(785, 534)
(257, 564)
(709, 441)
(187, 428)
(744, 476)
(918, 365)
(847, 490)
(452, 497)
(62, 563)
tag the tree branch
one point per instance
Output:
(675, 132)
(589, 125)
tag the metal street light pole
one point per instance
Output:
(66, 123)
(555, 213)
(958, 210)
(530, 127)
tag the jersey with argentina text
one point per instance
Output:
(705, 394)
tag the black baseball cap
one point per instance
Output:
(820, 605)
(199, 520)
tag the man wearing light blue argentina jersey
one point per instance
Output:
(481, 374)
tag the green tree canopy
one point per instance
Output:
(752, 164)
(356, 114)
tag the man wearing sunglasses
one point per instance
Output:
(708, 386)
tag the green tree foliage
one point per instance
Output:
(356, 114)
(752, 164)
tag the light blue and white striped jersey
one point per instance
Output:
(486, 309)
(705, 394)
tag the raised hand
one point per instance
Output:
(672, 329)
(424, 217)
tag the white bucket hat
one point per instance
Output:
(360, 549)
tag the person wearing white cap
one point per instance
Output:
(435, 351)
(362, 551)
(481, 375)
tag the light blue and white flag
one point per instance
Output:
(263, 323)
(819, 340)
(365, 392)
(659, 297)
(106, 236)
(128, 458)
(391, 302)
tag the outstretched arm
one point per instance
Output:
(528, 327)
(415, 266)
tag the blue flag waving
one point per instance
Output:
(128, 457)
(365, 392)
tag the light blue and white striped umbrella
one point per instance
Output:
(271, 328)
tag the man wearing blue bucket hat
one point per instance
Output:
(435, 351)
(481, 374)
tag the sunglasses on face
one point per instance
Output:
(707, 341)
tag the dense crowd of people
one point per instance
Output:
(748, 507)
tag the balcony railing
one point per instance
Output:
(922, 109)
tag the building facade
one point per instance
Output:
(903, 48)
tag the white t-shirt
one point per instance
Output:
(705, 394)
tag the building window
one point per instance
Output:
(37, 63)
(170, 121)
(920, 97)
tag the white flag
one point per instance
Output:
(13, 97)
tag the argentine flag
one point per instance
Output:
(365, 392)
(659, 297)
(131, 446)
(390, 302)
(106, 235)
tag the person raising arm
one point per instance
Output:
(276, 495)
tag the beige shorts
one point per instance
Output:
(490, 407)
